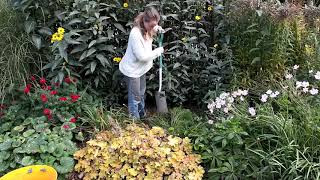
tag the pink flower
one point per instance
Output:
(73, 120)
(46, 111)
(43, 80)
(54, 92)
(26, 90)
(67, 80)
(74, 97)
(44, 98)
(66, 126)
(33, 78)
(49, 116)
(63, 99)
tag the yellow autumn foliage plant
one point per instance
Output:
(138, 153)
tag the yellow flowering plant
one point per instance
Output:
(58, 36)
(117, 59)
(138, 153)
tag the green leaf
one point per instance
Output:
(29, 26)
(114, 16)
(110, 33)
(28, 133)
(61, 76)
(4, 155)
(91, 51)
(26, 161)
(79, 48)
(224, 143)
(62, 51)
(120, 27)
(255, 60)
(37, 40)
(103, 60)
(69, 40)
(176, 65)
(45, 31)
(92, 43)
(74, 21)
(231, 135)
(253, 50)
(4, 166)
(83, 56)
(96, 81)
(74, 13)
(74, 63)
(51, 147)
(93, 66)
(6, 145)
(79, 136)
(47, 66)
(66, 165)
(18, 128)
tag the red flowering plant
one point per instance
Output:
(60, 104)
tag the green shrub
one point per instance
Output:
(96, 33)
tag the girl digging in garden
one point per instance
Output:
(138, 59)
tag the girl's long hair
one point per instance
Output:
(150, 14)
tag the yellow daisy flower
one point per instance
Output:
(59, 37)
(117, 59)
(54, 38)
(125, 5)
(197, 18)
(210, 8)
(61, 30)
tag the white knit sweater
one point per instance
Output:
(139, 55)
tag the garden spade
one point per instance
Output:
(160, 94)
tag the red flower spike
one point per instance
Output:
(29, 86)
(74, 97)
(57, 84)
(63, 99)
(46, 111)
(43, 80)
(73, 120)
(26, 90)
(54, 92)
(44, 98)
(48, 88)
(67, 80)
(33, 78)
(66, 126)
(49, 116)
